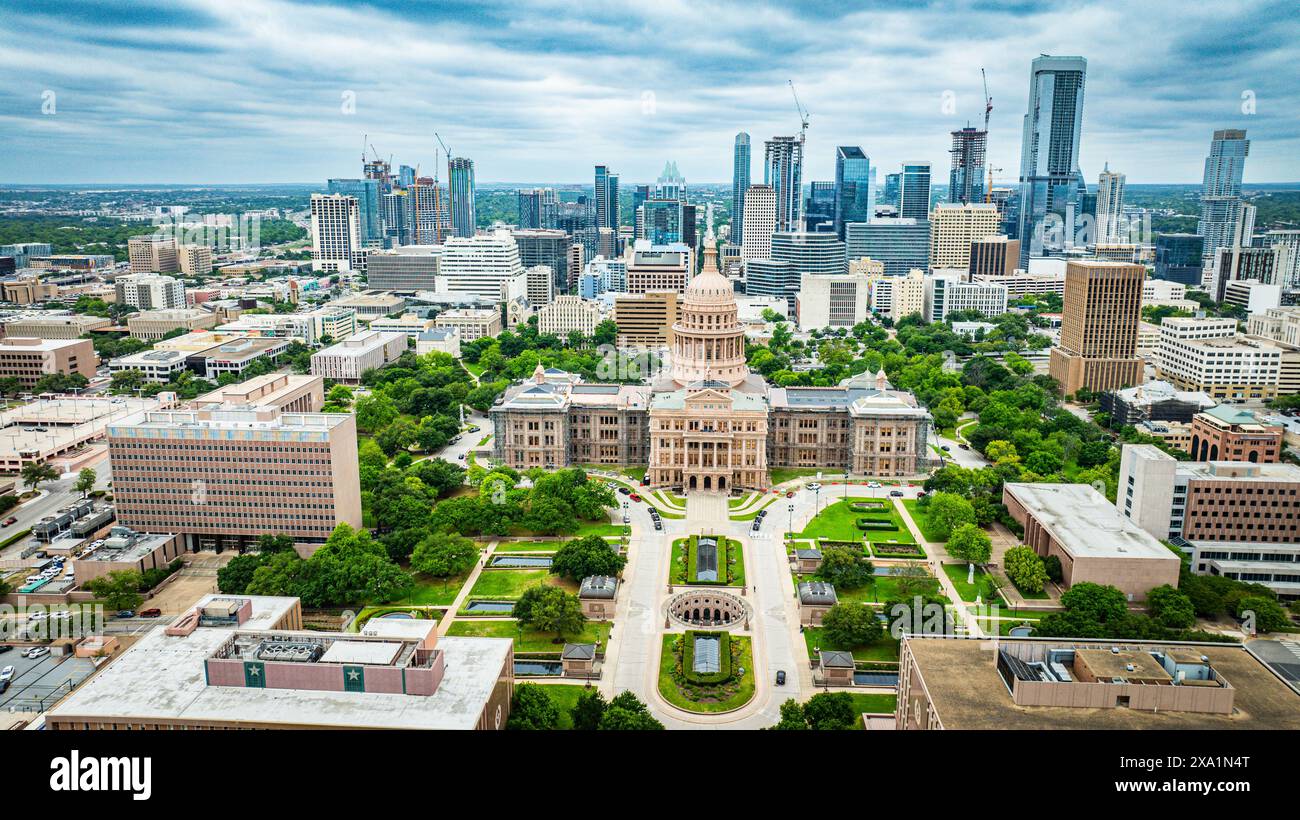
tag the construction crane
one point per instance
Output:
(988, 101)
(437, 195)
(803, 131)
(988, 109)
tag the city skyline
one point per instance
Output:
(205, 92)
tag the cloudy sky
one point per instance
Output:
(211, 91)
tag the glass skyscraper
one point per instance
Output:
(966, 177)
(1221, 203)
(741, 164)
(783, 171)
(369, 207)
(914, 191)
(1050, 180)
(606, 195)
(460, 187)
(855, 187)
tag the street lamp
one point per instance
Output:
(846, 483)
(790, 529)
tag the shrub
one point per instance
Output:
(1025, 569)
(724, 658)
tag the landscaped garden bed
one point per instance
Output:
(729, 687)
(685, 566)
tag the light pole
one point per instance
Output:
(846, 483)
(790, 529)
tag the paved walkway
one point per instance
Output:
(937, 555)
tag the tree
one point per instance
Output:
(34, 472)
(119, 589)
(792, 718)
(1025, 569)
(85, 481)
(550, 609)
(605, 333)
(532, 709)
(443, 555)
(590, 555)
(374, 412)
(235, 576)
(1269, 616)
(1096, 601)
(970, 543)
(1171, 608)
(440, 476)
(846, 567)
(851, 625)
(269, 543)
(828, 711)
(589, 709)
(626, 713)
(947, 511)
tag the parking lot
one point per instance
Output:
(38, 683)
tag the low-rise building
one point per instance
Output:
(567, 314)
(645, 320)
(245, 662)
(598, 594)
(1153, 401)
(287, 392)
(57, 326)
(471, 323)
(348, 360)
(815, 599)
(152, 325)
(1092, 539)
(439, 340)
(1227, 433)
(411, 324)
(369, 306)
(1207, 355)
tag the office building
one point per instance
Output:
(914, 191)
(411, 324)
(1228, 433)
(1092, 539)
(285, 392)
(568, 314)
(661, 222)
(953, 228)
(1046, 684)
(993, 256)
(537, 208)
(194, 260)
(1288, 242)
(246, 662)
(1111, 227)
(1154, 401)
(367, 193)
(793, 255)
(1051, 184)
(855, 187)
(149, 292)
(827, 300)
(901, 244)
(966, 176)
(152, 253)
(645, 320)
(1222, 209)
(29, 360)
(1179, 257)
(741, 166)
(606, 196)
(347, 361)
(55, 326)
(336, 234)
(369, 306)
(404, 269)
(22, 252)
(783, 172)
(1266, 265)
(460, 193)
(480, 264)
(548, 247)
(428, 212)
(221, 476)
(760, 216)
(658, 267)
(539, 285)
(471, 323)
(946, 292)
(152, 325)
(1207, 355)
(1101, 310)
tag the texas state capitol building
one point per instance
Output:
(711, 425)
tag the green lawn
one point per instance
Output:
(873, 704)
(922, 521)
(565, 697)
(982, 587)
(782, 474)
(584, 528)
(883, 589)
(737, 693)
(677, 568)
(635, 473)
(509, 584)
(434, 591)
(837, 521)
(885, 649)
(530, 641)
(752, 513)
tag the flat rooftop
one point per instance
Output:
(163, 677)
(967, 692)
(50, 426)
(1084, 522)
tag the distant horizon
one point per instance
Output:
(6, 186)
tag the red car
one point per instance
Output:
(151, 613)
(634, 497)
(10, 520)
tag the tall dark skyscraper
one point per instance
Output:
(1222, 207)
(369, 205)
(783, 170)
(966, 177)
(641, 194)
(537, 208)
(741, 163)
(1050, 180)
(606, 195)
(460, 188)
(855, 187)
(914, 191)
(819, 212)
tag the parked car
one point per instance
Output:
(790, 494)
(964, 446)
(896, 493)
(873, 485)
(921, 493)
(624, 491)
(4, 686)
(126, 613)
(780, 677)
(38, 652)
(945, 448)
(659, 525)
(815, 486)
(6, 647)
(11, 520)
(7, 673)
(152, 612)
(634, 497)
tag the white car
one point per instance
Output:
(873, 485)
(814, 486)
(7, 673)
(38, 651)
(37, 616)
